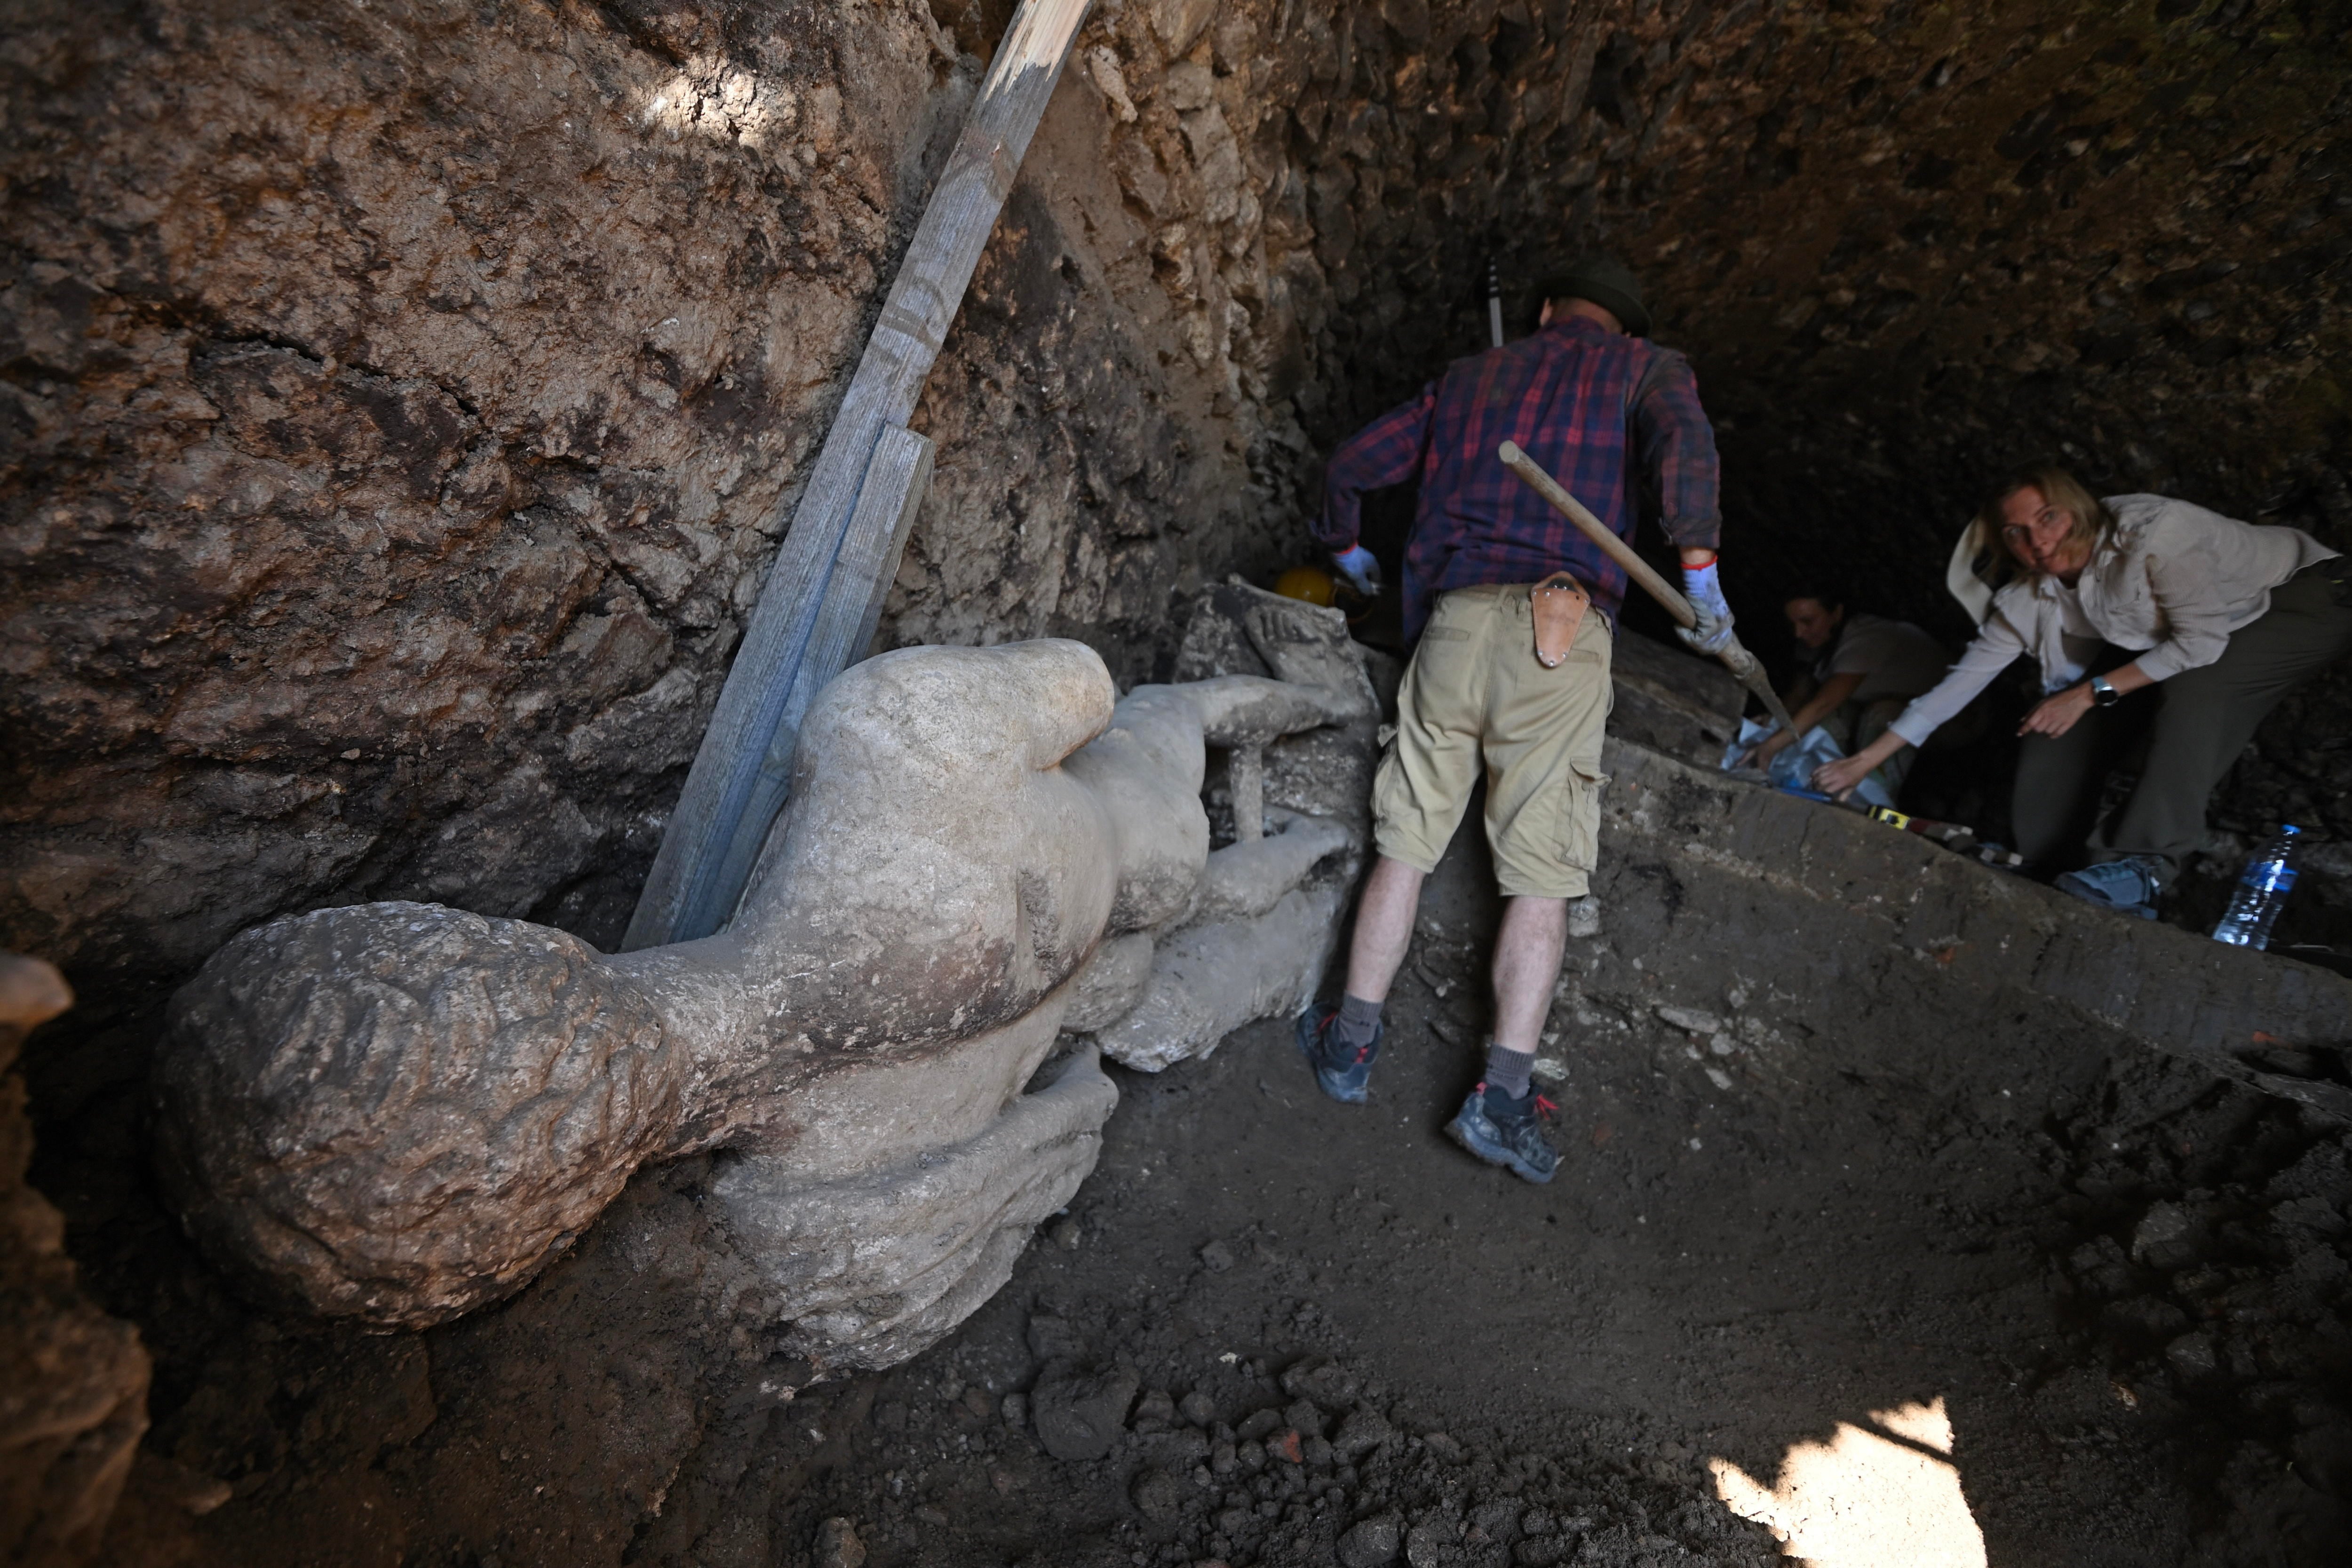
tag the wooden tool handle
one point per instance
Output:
(1569, 507)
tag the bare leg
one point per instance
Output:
(1384, 929)
(1527, 962)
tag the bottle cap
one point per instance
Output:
(2289, 828)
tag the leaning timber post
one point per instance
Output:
(822, 598)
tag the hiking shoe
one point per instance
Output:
(2128, 885)
(1513, 1140)
(1345, 1080)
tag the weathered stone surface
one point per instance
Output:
(1672, 702)
(837, 1545)
(1432, 1541)
(1370, 1543)
(871, 1269)
(1259, 925)
(404, 407)
(1081, 1415)
(1110, 983)
(1158, 1494)
(1243, 880)
(399, 1111)
(1210, 980)
(1361, 1430)
(73, 1381)
(2171, 990)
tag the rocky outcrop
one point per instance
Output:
(73, 1381)
(406, 407)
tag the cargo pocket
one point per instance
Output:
(1581, 845)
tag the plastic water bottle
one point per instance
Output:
(2261, 893)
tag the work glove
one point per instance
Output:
(1360, 569)
(1713, 633)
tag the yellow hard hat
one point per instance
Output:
(1308, 583)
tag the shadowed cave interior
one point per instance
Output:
(406, 402)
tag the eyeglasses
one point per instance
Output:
(2017, 531)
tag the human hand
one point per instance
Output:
(1710, 637)
(1841, 778)
(1701, 585)
(2056, 714)
(1360, 569)
(1771, 746)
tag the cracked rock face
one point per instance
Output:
(73, 1381)
(401, 399)
(403, 405)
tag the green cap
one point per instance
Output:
(1604, 280)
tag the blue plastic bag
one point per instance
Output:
(1792, 768)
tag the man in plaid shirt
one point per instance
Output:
(1589, 397)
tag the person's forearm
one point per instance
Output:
(1385, 452)
(1676, 447)
(1825, 701)
(1810, 714)
(1878, 751)
(2131, 678)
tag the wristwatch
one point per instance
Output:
(2103, 694)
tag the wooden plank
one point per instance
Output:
(782, 649)
(893, 493)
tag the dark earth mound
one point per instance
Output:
(1271, 1320)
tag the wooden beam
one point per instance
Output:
(823, 585)
(896, 481)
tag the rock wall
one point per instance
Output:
(73, 1381)
(404, 401)
(1907, 247)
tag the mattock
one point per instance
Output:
(1735, 658)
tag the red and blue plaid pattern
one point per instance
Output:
(1565, 395)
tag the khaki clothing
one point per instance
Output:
(1896, 659)
(1476, 700)
(2170, 581)
(2198, 724)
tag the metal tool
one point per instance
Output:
(1735, 658)
(1495, 302)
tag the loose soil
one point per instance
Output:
(2124, 1279)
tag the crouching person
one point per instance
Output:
(1510, 678)
(2225, 618)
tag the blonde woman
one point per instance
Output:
(2143, 612)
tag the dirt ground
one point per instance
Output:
(2122, 1279)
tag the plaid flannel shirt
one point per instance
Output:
(1581, 401)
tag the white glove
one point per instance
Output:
(1361, 569)
(1713, 633)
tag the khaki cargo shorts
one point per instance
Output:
(1475, 697)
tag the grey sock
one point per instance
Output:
(1510, 1071)
(1358, 1024)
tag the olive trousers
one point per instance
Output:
(2196, 725)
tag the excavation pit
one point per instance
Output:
(408, 401)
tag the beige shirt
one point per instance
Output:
(1894, 658)
(2171, 581)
